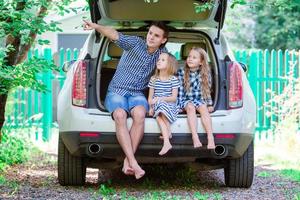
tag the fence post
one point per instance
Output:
(75, 54)
(274, 85)
(47, 99)
(254, 82)
(16, 107)
(61, 62)
(266, 93)
(36, 100)
(260, 96)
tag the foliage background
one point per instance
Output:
(263, 24)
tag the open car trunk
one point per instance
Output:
(179, 45)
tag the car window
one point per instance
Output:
(173, 47)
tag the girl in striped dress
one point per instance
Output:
(194, 94)
(163, 90)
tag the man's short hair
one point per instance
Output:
(162, 25)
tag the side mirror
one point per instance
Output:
(244, 66)
(66, 66)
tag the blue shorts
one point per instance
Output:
(127, 102)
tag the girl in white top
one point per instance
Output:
(163, 90)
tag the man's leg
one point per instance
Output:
(120, 117)
(118, 106)
(138, 114)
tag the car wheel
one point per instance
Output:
(239, 172)
(71, 169)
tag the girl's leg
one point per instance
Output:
(164, 131)
(192, 121)
(168, 125)
(207, 124)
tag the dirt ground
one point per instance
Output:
(37, 179)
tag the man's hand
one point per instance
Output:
(109, 32)
(89, 25)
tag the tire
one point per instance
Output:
(71, 169)
(239, 172)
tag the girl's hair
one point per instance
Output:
(204, 73)
(172, 66)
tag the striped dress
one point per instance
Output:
(164, 89)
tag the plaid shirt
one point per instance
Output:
(195, 92)
(135, 67)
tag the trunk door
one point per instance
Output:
(136, 13)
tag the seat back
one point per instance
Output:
(115, 53)
(108, 68)
(185, 48)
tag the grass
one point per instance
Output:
(291, 174)
(15, 147)
(280, 154)
(13, 185)
(106, 192)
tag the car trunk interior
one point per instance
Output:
(179, 44)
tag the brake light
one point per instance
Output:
(79, 85)
(89, 134)
(227, 136)
(235, 93)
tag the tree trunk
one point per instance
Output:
(3, 98)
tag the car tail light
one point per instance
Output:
(235, 93)
(79, 85)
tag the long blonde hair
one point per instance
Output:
(172, 66)
(204, 73)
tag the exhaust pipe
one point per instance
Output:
(220, 150)
(94, 149)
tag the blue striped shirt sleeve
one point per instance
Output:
(127, 42)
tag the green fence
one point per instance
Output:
(266, 72)
(268, 75)
(27, 108)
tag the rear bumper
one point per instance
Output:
(151, 145)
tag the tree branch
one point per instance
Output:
(14, 40)
(25, 48)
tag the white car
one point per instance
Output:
(87, 135)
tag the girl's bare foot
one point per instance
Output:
(196, 142)
(211, 142)
(126, 168)
(138, 171)
(165, 149)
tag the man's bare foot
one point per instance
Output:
(196, 142)
(126, 168)
(161, 137)
(211, 142)
(165, 149)
(138, 171)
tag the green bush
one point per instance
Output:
(15, 147)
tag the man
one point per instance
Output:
(125, 92)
